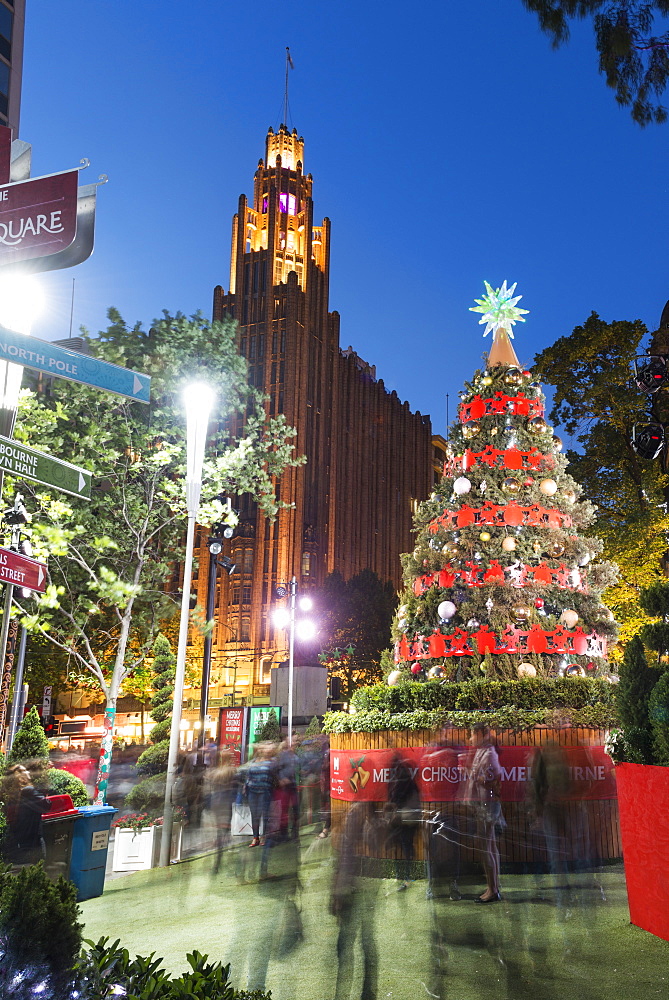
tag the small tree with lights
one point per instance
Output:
(502, 581)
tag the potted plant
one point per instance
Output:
(640, 750)
(137, 841)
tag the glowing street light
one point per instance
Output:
(198, 403)
(21, 303)
(285, 618)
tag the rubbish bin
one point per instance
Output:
(89, 850)
(57, 829)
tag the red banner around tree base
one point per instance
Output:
(442, 774)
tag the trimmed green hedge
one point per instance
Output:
(597, 716)
(531, 693)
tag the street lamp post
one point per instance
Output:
(287, 620)
(215, 545)
(198, 399)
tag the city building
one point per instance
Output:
(12, 21)
(369, 458)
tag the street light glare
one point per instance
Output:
(281, 618)
(21, 302)
(306, 630)
(306, 603)
(198, 400)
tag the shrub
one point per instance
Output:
(484, 694)
(154, 759)
(270, 731)
(63, 783)
(111, 971)
(30, 741)
(161, 731)
(163, 680)
(658, 713)
(314, 727)
(40, 936)
(148, 796)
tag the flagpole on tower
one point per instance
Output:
(289, 65)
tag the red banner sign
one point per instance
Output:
(22, 571)
(233, 731)
(38, 217)
(443, 774)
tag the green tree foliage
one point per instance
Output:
(355, 617)
(39, 930)
(314, 727)
(154, 759)
(633, 52)
(658, 713)
(113, 561)
(590, 370)
(30, 742)
(59, 782)
(637, 681)
(164, 662)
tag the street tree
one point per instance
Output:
(590, 370)
(633, 49)
(114, 561)
(355, 617)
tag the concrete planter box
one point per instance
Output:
(136, 851)
(643, 797)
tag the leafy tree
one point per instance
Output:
(30, 742)
(637, 681)
(658, 713)
(355, 618)
(113, 562)
(633, 54)
(591, 370)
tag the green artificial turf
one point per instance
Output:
(524, 947)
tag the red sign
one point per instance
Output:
(22, 571)
(443, 773)
(38, 217)
(233, 731)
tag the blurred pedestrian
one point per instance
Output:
(258, 789)
(221, 789)
(24, 807)
(404, 815)
(486, 788)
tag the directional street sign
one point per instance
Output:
(22, 571)
(71, 365)
(26, 463)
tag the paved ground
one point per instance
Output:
(540, 942)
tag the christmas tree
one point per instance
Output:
(502, 582)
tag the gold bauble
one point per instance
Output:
(569, 617)
(511, 484)
(557, 549)
(508, 543)
(514, 376)
(537, 425)
(569, 496)
(485, 536)
(557, 442)
(548, 487)
(487, 380)
(470, 430)
(521, 613)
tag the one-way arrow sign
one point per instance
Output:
(63, 363)
(26, 463)
(22, 571)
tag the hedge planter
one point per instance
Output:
(138, 850)
(588, 812)
(643, 795)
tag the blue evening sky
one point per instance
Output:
(447, 141)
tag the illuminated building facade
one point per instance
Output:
(369, 458)
(12, 20)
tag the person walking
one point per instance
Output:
(24, 808)
(486, 780)
(258, 790)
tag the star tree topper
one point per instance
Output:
(499, 309)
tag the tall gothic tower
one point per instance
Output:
(368, 456)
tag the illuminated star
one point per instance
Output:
(499, 309)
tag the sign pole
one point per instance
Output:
(8, 656)
(15, 719)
